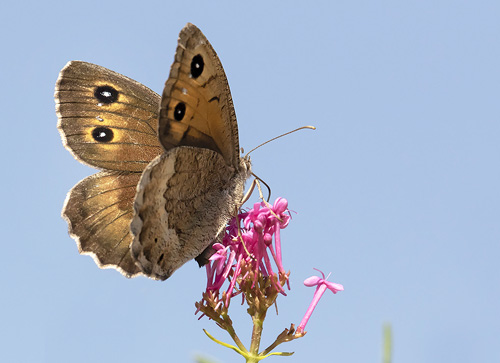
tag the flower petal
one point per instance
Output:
(334, 286)
(312, 281)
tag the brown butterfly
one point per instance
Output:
(170, 180)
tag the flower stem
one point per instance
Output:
(228, 326)
(258, 321)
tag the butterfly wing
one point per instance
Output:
(196, 107)
(187, 195)
(183, 202)
(107, 121)
(98, 211)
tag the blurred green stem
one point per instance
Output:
(387, 344)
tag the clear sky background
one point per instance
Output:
(396, 192)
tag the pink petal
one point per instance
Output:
(312, 281)
(333, 286)
(280, 205)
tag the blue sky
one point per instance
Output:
(396, 192)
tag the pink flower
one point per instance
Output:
(321, 285)
(251, 243)
(218, 270)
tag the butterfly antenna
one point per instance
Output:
(277, 137)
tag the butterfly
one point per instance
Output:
(171, 173)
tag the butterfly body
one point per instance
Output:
(172, 174)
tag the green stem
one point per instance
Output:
(232, 333)
(258, 321)
(271, 347)
(387, 348)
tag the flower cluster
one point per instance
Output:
(247, 250)
(249, 262)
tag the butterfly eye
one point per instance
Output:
(102, 134)
(197, 66)
(180, 111)
(106, 94)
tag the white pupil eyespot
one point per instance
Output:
(106, 93)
